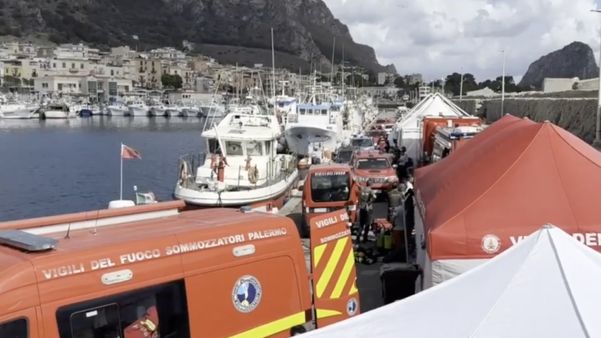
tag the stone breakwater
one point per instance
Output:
(577, 115)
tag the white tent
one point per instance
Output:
(408, 130)
(546, 286)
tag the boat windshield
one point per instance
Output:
(58, 107)
(254, 148)
(362, 142)
(233, 148)
(330, 187)
(214, 147)
(373, 163)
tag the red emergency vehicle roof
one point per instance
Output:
(505, 183)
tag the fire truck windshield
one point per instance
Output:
(373, 163)
(330, 188)
(362, 142)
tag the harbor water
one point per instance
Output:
(60, 166)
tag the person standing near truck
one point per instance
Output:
(409, 206)
(367, 198)
(402, 163)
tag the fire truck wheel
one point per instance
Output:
(297, 330)
(303, 229)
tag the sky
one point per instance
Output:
(438, 37)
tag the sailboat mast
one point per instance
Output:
(237, 83)
(273, 73)
(343, 78)
(314, 87)
(333, 52)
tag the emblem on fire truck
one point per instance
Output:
(246, 294)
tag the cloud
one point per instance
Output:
(438, 37)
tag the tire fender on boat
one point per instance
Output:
(184, 171)
(253, 174)
(248, 163)
(214, 162)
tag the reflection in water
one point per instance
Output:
(106, 122)
(57, 166)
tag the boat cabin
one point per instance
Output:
(316, 114)
(244, 148)
(58, 107)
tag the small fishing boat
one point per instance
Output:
(57, 111)
(242, 166)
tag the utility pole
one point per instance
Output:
(461, 88)
(503, 87)
(597, 141)
(442, 85)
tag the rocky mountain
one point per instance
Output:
(574, 60)
(229, 30)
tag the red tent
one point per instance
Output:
(512, 177)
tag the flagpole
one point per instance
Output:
(121, 175)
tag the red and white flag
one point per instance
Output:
(129, 153)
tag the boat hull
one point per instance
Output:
(170, 112)
(299, 138)
(112, 111)
(237, 198)
(138, 111)
(19, 114)
(56, 115)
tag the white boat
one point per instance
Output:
(254, 173)
(172, 110)
(156, 110)
(138, 109)
(285, 105)
(213, 111)
(313, 124)
(18, 111)
(87, 110)
(58, 111)
(189, 111)
(117, 109)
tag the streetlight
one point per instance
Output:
(597, 141)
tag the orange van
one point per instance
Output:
(328, 187)
(153, 271)
(445, 134)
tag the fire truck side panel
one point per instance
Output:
(276, 305)
(144, 259)
(273, 261)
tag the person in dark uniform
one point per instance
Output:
(409, 206)
(366, 200)
(402, 164)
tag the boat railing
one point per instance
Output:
(268, 174)
(292, 118)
